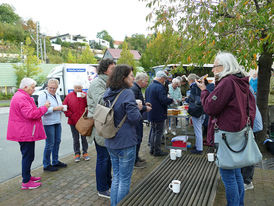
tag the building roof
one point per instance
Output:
(118, 42)
(116, 53)
(8, 77)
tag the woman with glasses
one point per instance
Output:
(227, 104)
(52, 125)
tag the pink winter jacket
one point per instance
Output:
(25, 124)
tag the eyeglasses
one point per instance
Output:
(52, 88)
(216, 66)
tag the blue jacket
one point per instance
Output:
(51, 117)
(126, 104)
(156, 94)
(195, 108)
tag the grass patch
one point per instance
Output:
(4, 104)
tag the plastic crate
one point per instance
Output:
(179, 144)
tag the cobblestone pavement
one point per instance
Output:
(76, 184)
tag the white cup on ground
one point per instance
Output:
(178, 153)
(210, 157)
(175, 186)
(172, 154)
(79, 94)
(65, 107)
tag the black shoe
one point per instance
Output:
(50, 168)
(151, 152)
(60, 164)
(139, 165)
(196, 152)
(160, 154)
(141, 160)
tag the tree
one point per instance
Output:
(7, 14)
(243, 28)
(71, 58)
(126, 57)
(105, 35)
(137, 42)
(161, 50)
(87, 57)
(30, 66)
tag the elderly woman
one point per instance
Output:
(122, 147)
(76, 102)
(95, 92)
(25, 127)
(228, 104)
(196, 111)
(52, 124)
(175, 94)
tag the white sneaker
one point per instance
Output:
(174, 133)
(249, 186)
(165, 132)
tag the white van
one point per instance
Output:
(67, 74)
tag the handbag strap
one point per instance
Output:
(244, 146)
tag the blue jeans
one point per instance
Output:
(198, 130)
(53, 141)
(27, 151)
(103, 168)
(122, 161)
(234, 186)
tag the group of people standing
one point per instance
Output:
(224, 105)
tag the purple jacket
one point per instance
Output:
(228, 103)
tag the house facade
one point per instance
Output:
(70, 38)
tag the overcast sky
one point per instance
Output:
(119, 18)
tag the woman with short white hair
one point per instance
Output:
(76, 102)
(25, 127)
(52, 124)
(174, 93)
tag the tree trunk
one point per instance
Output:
(264, 74)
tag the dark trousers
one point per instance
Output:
(157, 130)
(139, 132)
(76, 142)
(27, 151)
(103, 168)
(248, 173)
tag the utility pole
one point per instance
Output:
(45, 55)
(37, 39)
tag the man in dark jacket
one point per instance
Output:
(141, 81)
(156, 94)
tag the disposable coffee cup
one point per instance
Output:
(178, 153)
(210, 157)
(175, 186)
(79, 94)
(172, 155)
(65, 108)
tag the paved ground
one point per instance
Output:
(76, 185)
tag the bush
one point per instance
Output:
(5, 97)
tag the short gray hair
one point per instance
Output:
(141, 76)
(77, 83)
(229, 63)
(26, 82)
(176, 81)
(179, 78)
(192, 76)
(55, 81)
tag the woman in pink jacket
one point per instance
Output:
(25, 126)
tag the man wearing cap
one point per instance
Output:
(156, 94)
